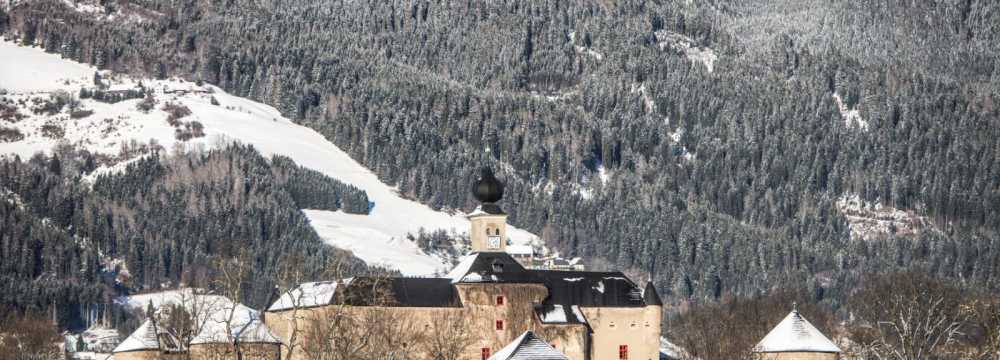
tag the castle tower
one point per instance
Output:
(489, 222)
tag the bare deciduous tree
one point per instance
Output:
(907, 316)
(361, 326)
(447, 336)
(29, 337)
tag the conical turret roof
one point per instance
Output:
(796, 334)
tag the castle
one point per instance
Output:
(489, 306)
(583, 314)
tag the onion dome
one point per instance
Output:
(487, 188)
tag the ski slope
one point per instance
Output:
(378, 238)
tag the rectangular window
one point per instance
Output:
(622, 352)
(486, 353)
(499, 324)
(500, 300)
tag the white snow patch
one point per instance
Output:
(555, 315)
(869, 221)
(685, 45)
(676, 138)
(585, 50)
(26, 69)
(599, 287)
(852, 117)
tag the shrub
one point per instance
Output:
(10, 134)
(175, 112)
(9, 113)
(147, 103)
(53, 131)
(82, 113)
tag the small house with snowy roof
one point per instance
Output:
(794, 338)
(580, 314)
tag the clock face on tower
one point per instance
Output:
(493, 242)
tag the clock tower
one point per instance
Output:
(489, 222)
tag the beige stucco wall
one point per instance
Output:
(254, 351)
(138, 355)
(637, 327)
(796, 356)
(480, 223)
(149, 355)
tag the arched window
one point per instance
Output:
(498, 232)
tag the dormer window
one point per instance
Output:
(497, 267)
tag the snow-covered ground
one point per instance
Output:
(852, 117)
(686, 45)
(870, 221)
(378, 238)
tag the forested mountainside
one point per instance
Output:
(72, 236)
(716, 145)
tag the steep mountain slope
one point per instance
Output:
(379, 237)
(724, 131)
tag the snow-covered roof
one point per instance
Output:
(795, 334)
(528, 347)
(143, 338)
(212, 313)
(560, 314)
(244, 325)
(459, 271)
(522, 250)
(306, 295)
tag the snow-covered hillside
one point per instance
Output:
(29, 75)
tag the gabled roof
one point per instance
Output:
(143, 338)
(528, 347)
(495, 267)
(796, 334)
(244, 325)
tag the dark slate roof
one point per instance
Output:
(650, 296)
(491, 267)
(590, 288)
(398, 291)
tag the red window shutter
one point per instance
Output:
(499, 324)
(486, 353)
(622, 352)
(500, 300)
